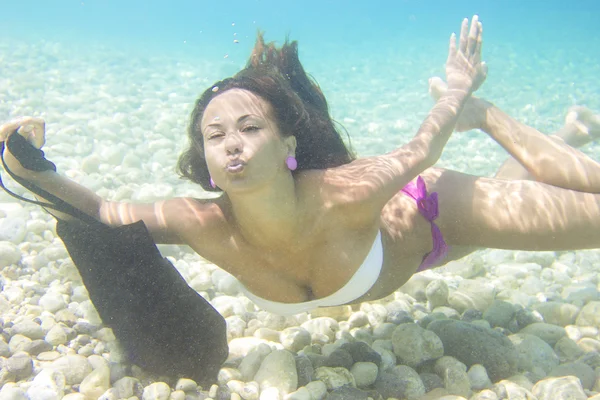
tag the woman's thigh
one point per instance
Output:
(406, 238)
(513, 214)
(477, 212)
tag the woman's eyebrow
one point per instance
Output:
(240, 119)
(245, 117)
(213, 124)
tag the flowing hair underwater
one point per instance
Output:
(299, 107)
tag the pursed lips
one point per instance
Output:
(235, 165)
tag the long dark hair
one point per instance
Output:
(299, 106)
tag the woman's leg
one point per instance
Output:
(549, 159)
(581, 127)
(514, 215)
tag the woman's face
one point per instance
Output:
(242, 143)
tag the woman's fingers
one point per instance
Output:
(452, 48)
(469, 41)
(8, 128)
(464, 67)
(31, 128)
(473, 34)
(479, 42)
(462, 46)
(34, 130)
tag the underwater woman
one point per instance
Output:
(302, 223)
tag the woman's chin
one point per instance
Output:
(239, 184)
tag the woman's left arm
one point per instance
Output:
(371, 182)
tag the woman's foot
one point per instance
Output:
(473, 114)
(581, 126)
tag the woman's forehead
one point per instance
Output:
(232, 104)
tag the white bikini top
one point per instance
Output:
(360, 283)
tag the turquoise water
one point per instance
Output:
(116, 82)
(372, 59)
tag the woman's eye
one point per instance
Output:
(215, 135)
(250, 128)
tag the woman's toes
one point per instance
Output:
(474, 111)
(584, 120)
(437, 87)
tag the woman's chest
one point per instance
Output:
(310, 267)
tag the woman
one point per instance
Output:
(303, 224)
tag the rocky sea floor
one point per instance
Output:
(494, 325)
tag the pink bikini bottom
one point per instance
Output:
(428, 207)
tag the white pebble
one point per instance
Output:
(86, 310)
(317, 389)
(478, 377)
(52, 302)
(365, 373)
(9, 254)
(271, 393)
(300, 394)
(46, 385)
(14, 294)
(36, 226)
(12, 230)
(187, 385)
(96, 383)
(157, 391)
(56, 335)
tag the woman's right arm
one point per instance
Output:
(161, 218)
(369, 183)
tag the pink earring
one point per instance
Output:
(291, 163)
(212, 183)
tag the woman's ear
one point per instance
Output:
(290, 144)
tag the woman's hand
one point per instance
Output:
(464, 68)
(31, 128)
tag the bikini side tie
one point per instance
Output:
(428, 208)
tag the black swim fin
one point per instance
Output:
(162, 324)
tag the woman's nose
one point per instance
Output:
(233, 143)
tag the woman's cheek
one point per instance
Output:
(211, 162)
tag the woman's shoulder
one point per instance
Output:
(338, 192)
(193, 209)
(191, 216)
(342, 184)
(196, 222)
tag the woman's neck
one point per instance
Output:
(267, 217)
